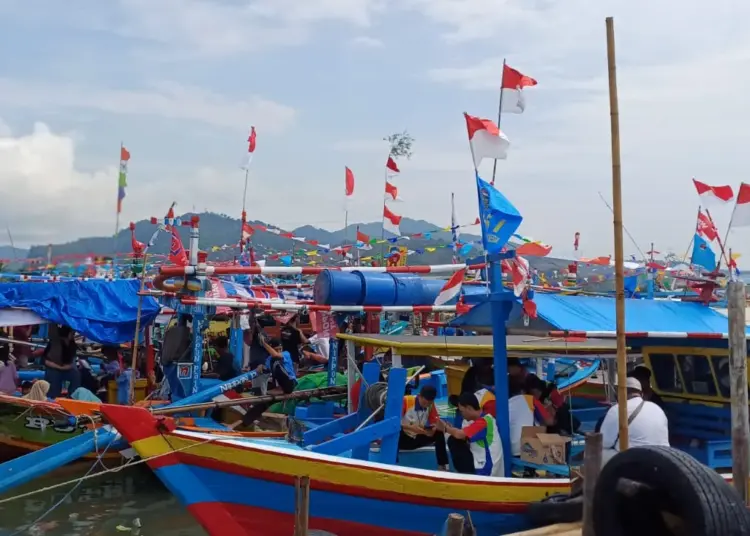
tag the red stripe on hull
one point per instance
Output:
(224, 467)
(252, 521)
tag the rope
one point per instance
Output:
(88, 475)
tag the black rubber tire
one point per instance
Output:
(705, 503)
(554, 509)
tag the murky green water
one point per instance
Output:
(130, 503)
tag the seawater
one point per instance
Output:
(132, 502)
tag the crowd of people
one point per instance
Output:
(473, 440)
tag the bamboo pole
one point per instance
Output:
(136, 341)
(454, 525)
(738, 387)
(592, 465)
(622, 358)
(302, 505)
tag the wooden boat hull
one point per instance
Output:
(28, 425)
(241, 488)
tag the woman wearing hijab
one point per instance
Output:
(38, 391)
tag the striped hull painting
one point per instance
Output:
(235, 487)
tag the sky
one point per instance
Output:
(180, 82)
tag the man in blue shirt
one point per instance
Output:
(281, 367)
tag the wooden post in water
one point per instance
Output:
(455, 525)
(301, 505)
(738, 387)
(622, 358)
(592, 465)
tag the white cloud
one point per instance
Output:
(367, 42)
(218, 28)
(165, 99)
(373, 146)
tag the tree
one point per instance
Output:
(401, 144)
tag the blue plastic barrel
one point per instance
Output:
(408, 289)
(333, 287)
(430, 290)
(378, 288)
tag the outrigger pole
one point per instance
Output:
(622, 357)
(178, 271)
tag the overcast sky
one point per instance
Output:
(180, 82)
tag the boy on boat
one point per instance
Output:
(419, 419)
(281, 367)
(476, 448)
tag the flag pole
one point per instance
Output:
(499, 117)
(692, 239)
(382, 224)
(721, 244)
(12, 245)
(244, 214)
(355, 246)
(726, 237)
(117, 216)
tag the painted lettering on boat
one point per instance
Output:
(43, 423)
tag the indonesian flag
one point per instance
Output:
(391, 192)
(741, 214)
(250, 149)
(518, 269)
(391, 168)
(512, 90)
(706, 227)
(247, 231)
(452, 288)
(391, 221)
(349, 183)
(712, 196)
(486, 140)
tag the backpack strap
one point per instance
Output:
(631, 418)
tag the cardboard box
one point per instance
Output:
(542, 448)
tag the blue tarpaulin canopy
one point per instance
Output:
(588, 313)
(103, 311)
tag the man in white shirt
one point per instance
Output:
(647, 423)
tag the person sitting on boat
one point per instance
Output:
(643, 374)
(292, 338)
(418, 420)
(59, 360)
(525, 410)
(225, 362)
(9, 380)
(647, 423)
(281, 367)
(475, 449)
(39, 391)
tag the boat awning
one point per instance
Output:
(481, 346)
(19, 317)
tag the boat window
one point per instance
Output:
(665, 373)
(721, 368)
(696, 372)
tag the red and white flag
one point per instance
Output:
(391, 192)
(452, 288)
(250, 149)
(247, 231)
(741, 214)
(706, 227)
(712, 196)
(391, 168)
(391, 221)
(486, 140)
(518, 269)
(349, 183)
(512, 90)
(231, 395)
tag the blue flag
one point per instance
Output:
(703, 255)
(498, 217)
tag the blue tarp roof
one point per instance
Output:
(588, 313)
(104, 311)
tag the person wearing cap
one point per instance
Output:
(419, 419)
(643, 374)
(647, 423)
